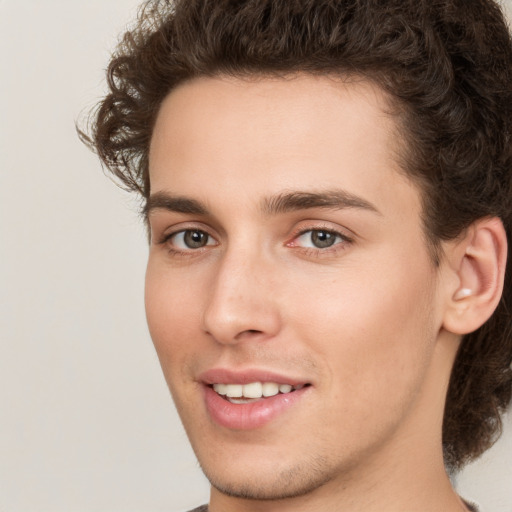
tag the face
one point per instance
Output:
(289, 293)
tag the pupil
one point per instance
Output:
(195, 239)
(322, 239)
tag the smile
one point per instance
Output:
(252, 404)
(247, 393)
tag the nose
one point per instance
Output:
(242, 303)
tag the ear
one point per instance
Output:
(477, 261)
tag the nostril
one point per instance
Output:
(249, 334)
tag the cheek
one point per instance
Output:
(170, 306)
(373, 329)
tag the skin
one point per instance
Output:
(361, 321)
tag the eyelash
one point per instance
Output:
(184, 252)
(337, 246)
(344, 240)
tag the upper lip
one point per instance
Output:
(230, 376)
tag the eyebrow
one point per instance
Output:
(280, 203)
(178, 204)
(329, 199)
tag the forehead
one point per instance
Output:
(236, 138)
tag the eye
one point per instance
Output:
(188, 239)
(319, 239)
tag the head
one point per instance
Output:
(438, 75)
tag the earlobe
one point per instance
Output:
(478, 261)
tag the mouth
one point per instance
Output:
(252, 398)
(253, 391)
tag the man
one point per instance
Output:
(327, 186)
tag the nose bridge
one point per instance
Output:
(241, 303)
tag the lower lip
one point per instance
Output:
(251, 415)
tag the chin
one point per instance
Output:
(257, 484)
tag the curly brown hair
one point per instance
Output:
(446, 64)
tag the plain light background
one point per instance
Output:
(86, 421)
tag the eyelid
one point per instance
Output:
(347, 236)
(346, 239)
(170, 231)
(305, 227)
(182, 234)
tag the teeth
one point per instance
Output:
(220, 388)
(254, 389)
(270, 389)
(234, 390)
